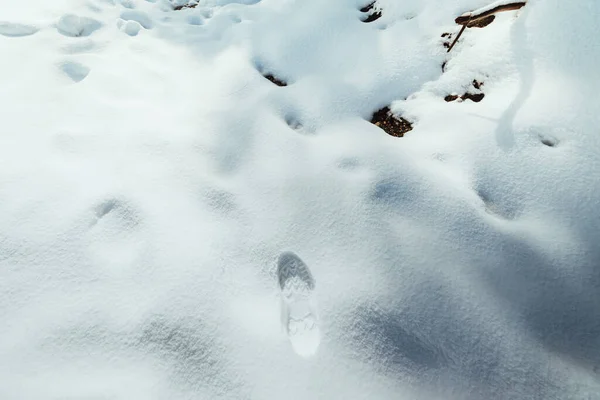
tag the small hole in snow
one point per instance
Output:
(549, 141)
(293, 122)
(275, 80)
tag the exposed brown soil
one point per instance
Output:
(476, 97)
(391, 125)
(448, 37)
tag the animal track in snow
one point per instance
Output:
(74, 70)
(298, 304)
(11, 29)
(76, 26)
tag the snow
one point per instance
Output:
(491, 6)
(150, 179)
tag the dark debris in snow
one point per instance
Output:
(392, 125)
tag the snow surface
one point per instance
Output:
(150, 179)
(491, 6)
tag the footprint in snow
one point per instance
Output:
(113, 239)
(11, 29)
(76, 26)
(74, 70)
(298, 304)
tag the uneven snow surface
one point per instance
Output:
(151, 178)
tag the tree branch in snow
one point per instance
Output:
(458, 36)
(484, 16)
(473, 17)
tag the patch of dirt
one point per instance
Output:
(275, 80)
(390, 124)
(476, 97)
(448, 39)
(467, 96)
(374, 12)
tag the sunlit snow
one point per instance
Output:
(175, 226)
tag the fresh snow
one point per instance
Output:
(151, 178)
(491, 6)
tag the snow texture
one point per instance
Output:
(491, 6)
(151, 177)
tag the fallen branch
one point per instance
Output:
(473, 17)
(484, 16)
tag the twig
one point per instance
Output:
(483, 16)
(459, 34)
